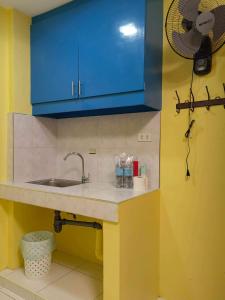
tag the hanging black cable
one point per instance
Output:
(190, 125)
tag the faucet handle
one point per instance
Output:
(86, 179)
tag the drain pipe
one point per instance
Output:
(59, 222)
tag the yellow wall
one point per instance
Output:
(14, 73)
(15, 97)
(80, 241)
(4, 86)
(192, 256)
(20, 63)
(4, 104)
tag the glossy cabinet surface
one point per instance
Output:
(54, 59)
(111, 48)
(93, 57)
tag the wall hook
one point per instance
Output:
(178, 100)
(192, 103)
(192, 97)
(209, 98)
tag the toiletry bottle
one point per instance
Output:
(119, 177)
(143, 173)
(128, 177)
(128, 172)
(135, 167)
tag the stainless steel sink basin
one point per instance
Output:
(56, 182)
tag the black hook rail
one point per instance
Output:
(197, 104)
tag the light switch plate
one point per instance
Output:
(144, 137)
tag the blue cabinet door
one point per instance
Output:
(54, 57)
(111, 46)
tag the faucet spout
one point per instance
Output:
(83, 178)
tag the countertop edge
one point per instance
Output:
(102, 209)
(98, 209)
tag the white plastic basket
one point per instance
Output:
(37, 250)
(35, 269)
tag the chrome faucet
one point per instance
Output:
(83, 178)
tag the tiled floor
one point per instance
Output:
(8, 295)
(81, 283)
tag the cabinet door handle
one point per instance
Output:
(72, 88)
(79, 88)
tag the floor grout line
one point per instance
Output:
(69, 270)
(78, 269)
(90, 276)
(65, 276)
(70, 267)
(10, 296)
(54, 281)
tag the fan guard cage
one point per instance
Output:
(174, 23)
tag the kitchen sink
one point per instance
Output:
(56, 182)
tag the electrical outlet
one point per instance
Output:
(92, 151)
(144, 137)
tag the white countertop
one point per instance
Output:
(94, 200)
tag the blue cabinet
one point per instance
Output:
(111, 48)
(54, 59)
(94, 57)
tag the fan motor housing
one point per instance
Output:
(203, 58)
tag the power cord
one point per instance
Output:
(188, 132)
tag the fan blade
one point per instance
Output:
(219, 26)
(188, 43)
(189, 9)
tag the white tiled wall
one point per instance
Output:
(40, 145)
(34, 147)
(109, 135)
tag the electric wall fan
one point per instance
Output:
(195, 29)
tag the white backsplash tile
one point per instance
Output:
(109, 135)
(112, 131)
(23, 135)
(34, 147)
(23, 159)
(44, 163)
(40, 144)
(106, 165)
(44, 132)
(10, 147)
(78, 133)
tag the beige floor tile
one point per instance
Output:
(10, 294)
(4, 297)
(56, 272)
(91, 269)
(73, 286)
(6, 272)
(18, 290)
